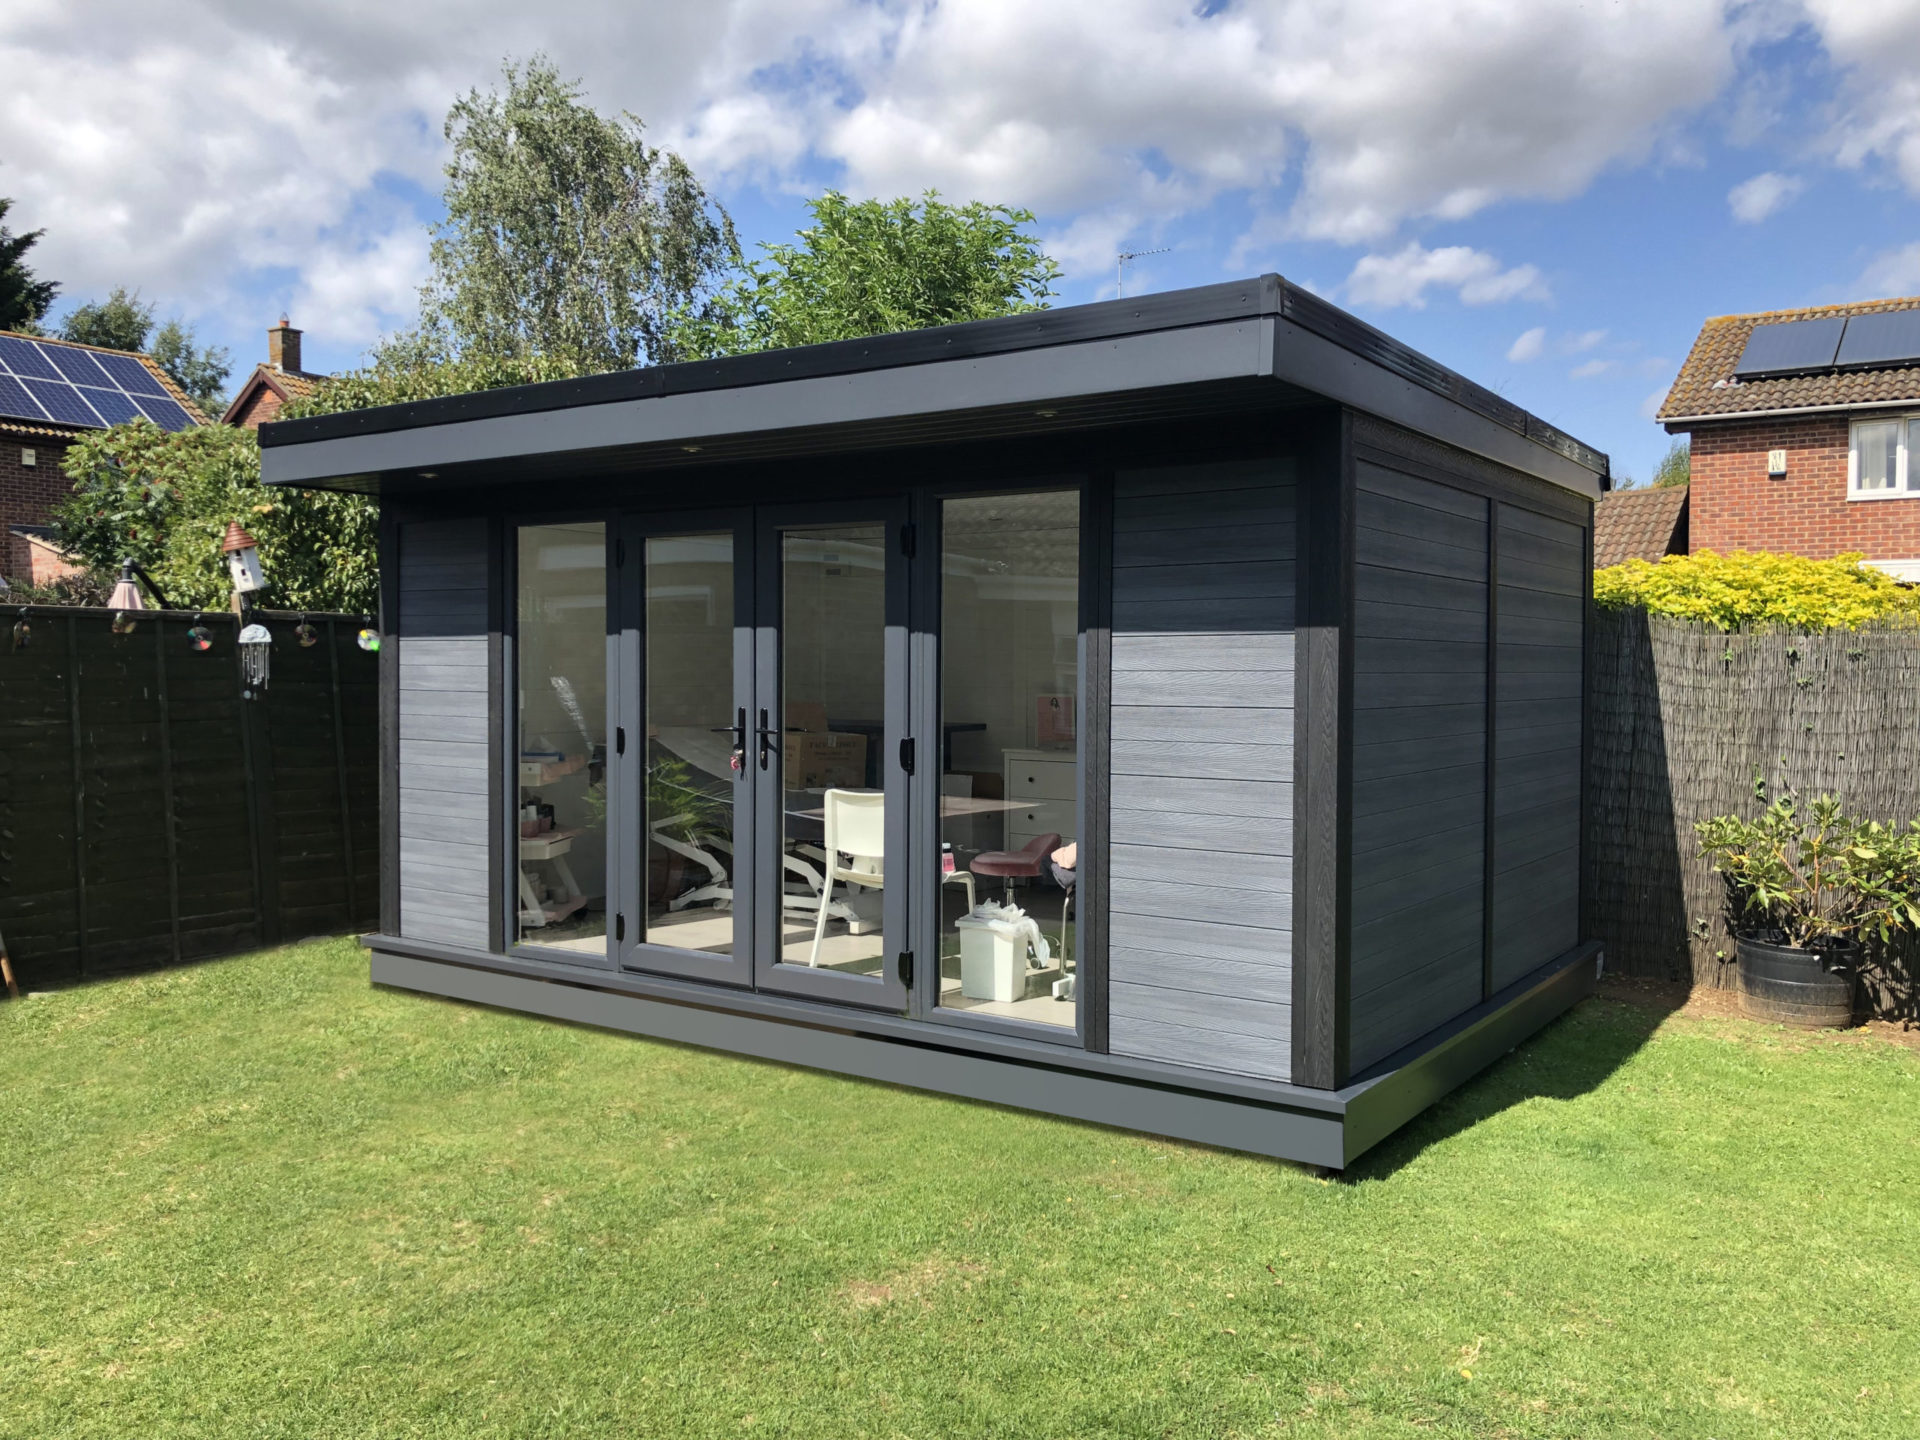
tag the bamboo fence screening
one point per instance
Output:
(149, 812)
(1681, 717)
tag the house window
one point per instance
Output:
(1877, 461)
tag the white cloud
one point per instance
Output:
(364, 290)
(1892, 272)
(1754, 200)
(1650, 406)
(1590, 369)
(1529, 346)
(1875, 41)
(1586, 340)
(1404, 277)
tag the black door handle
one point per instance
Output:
(766, 739)
(738, 729)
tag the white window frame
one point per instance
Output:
(1906, 476)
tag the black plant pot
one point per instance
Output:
(1811, 989)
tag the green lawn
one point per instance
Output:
(259, 1198)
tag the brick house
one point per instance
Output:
(52, 392)
(1799, 422)
(271, 385)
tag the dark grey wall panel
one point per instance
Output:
(446, 755)
(1419, 758)
(1537, 719)
(1201, 818)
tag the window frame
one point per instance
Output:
(1905, 475)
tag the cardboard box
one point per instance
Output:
(833, 760)
(807, 715)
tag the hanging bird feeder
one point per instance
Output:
(125, 599)
(256, 645)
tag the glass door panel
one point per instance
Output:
(690, 789)
(829, 720)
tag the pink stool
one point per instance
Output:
(1028, 862)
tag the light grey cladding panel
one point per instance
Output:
(1201, 817)
(1537, 691)
(446, 754)
(1419, 758)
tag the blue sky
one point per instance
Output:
(1548, 197)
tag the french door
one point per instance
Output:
(764, 751)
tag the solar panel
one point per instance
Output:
(1790, 347)
(1888, 337)
(41, 380)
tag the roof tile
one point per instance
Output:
(1706, 387)
(1639, 525)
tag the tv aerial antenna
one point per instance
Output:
(1120, 265)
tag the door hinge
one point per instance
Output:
(906, 967)
(619, 927)
(908, 538)
(906, 756)
(619, 739)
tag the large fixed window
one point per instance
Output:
(1010, 726)
(561, 705)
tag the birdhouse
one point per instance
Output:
(243, 559)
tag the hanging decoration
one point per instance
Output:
(306, 634)
(22, 632)
(123, 623)
(256, 645)
(369, 640)
(199, 637)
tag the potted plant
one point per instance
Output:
(1803, 892)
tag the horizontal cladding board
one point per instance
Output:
(1248, 580)
(1180, 511)
(434, 829)
(1382, 947)
(1550, 657)
(1519, 604)
(1268, 689)
(1149, 617)
(1203, 940)
(1378, 479)
(1202, 725)
(1412, 722)
(1538, 767)
(444, 931)
(1538, 881)
(466, 805)
(462, 702)
(1525, 740)
(1422, 1004)
(1223, 1015)
(1531, 522)
(467, 755)
(1253, 798)
(1538, 830)
(1203, 830)
(1422, 753)
(1561, 786)
(1392, 691)
(1374, 585)
(1458, 789)
(1202, 974)
(1213, 475)
(1203, 545)
(1523, 572)
(1563, 713)
(462, 854)
(1269, 910)
(1384, 551)
(1559, 683)
(451, 880)
(1234, 870)
(1142, 1039)
(460, 779)
(466, 651)
(1390, 515)
(1374, 655)
(1201, 760)
(1462, 869)
(1375, 619)
(415, 726)
(1394, 855)
(1179, 653)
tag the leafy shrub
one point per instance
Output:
(1753, 588)
(1816, 878)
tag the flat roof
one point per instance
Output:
(1247, 345)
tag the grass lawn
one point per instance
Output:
(258, 1198)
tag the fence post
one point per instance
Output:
(166, 784)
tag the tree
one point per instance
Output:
(872, 267)
(23, 299)
(566, 237)
(164, 499)
(200, 371)
(1676, 467)
(120, 322)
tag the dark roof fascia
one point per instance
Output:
(338, 446)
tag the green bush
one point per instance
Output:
(1751, 588)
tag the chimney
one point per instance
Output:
(283, 346)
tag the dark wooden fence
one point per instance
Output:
(150, 813)
(1682, 717)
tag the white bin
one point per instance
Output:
(993, 959)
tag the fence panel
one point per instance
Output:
(1681, 718)
(150, 812)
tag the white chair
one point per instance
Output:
(960, 785)
(856, 826)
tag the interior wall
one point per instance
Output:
(1201, 817)
(446, 754)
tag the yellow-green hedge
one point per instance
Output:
(1753, 588)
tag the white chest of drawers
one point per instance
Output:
(1045, 785)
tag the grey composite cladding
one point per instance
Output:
(1201, 817)
(1539, 666)
(1419, 757)
(445, 757)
